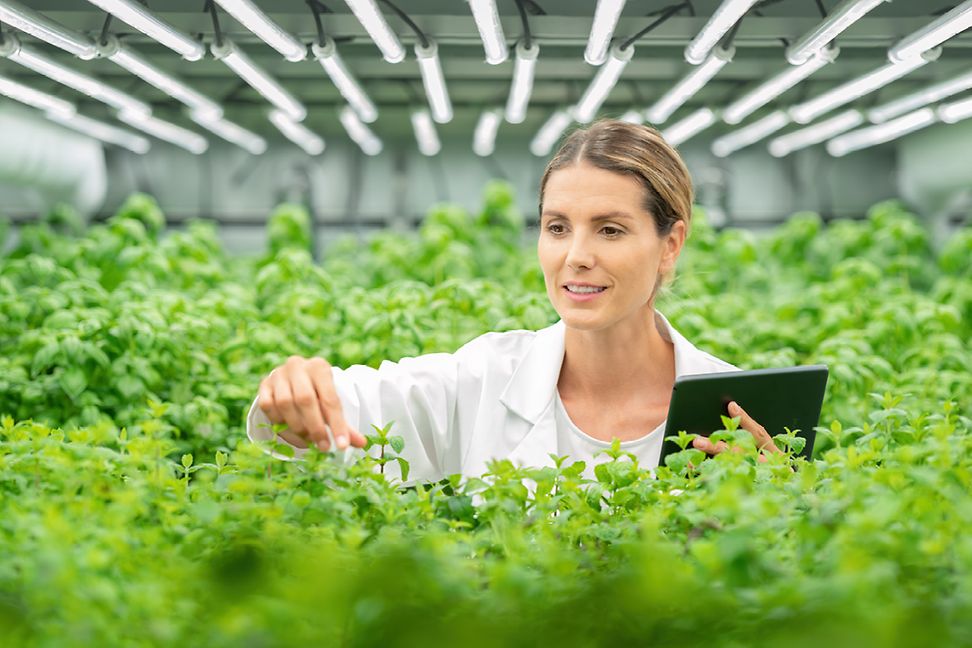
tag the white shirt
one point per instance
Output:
(494, 398)
(580, 446)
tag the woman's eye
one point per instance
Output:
(611, 231)
(555, 228)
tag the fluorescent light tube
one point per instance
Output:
(434, 82)
(371, 18)
(425, 135)
(632, 117)
(956, 111)
(359, 132)
(840, 18)
(785, 144)
(602, 84)
(127, 58)
(845, 93)
(102, 131)
(253, 18)
(312, 143)
(747, 135)
(725, 16)
(40, 26)
(873, 135)
(523, 68)
(687, 128)
(602, 29)
(933, 34)
(550, 132)
(163, 130)
(232, 133)
(258, 79)
(35, 98)
(34, 60)
(490, 30)
(923, 97)
(775, 86)
(140, 18)
(484, 137)
(689, 85)
(327, 55)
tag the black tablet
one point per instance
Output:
(776, 398)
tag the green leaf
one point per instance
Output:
(186, 460)
(397, 443)
(73, 381)
(403, 465)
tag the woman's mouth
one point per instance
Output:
(582, 293)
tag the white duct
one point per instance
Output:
(43, 164)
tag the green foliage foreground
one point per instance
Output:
(133, 511)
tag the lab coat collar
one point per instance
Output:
(531, 389)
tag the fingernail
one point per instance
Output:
(734, 407)
(342, 442)
(322, 446)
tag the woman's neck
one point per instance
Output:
(613, 365)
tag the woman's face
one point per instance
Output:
(598, 247)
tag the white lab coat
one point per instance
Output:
(492, 398)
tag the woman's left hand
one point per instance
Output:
(760, 435)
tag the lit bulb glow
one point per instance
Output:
(748, 135)
(821, 132)
(873, 135)
(688, 86)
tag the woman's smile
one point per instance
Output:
(583, 292)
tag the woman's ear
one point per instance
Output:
(672, 246)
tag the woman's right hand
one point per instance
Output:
(301, 393)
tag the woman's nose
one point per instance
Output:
(580, 253)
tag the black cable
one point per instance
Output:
(726, 42)
(423, 39)
(527, 38)
(666, 13)
(104, 29)
(210, 6)
(821, 8)
(315, 7)
(534, 8)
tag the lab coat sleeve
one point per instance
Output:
(417, 395)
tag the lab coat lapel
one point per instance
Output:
(529, 395)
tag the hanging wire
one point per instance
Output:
(319, 8)
(103, 39)
(423, 39)
(210, 6)
(821, 8)
(666, 13)
(527, 38)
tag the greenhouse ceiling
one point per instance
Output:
(248, 71)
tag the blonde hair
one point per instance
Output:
(640, 152)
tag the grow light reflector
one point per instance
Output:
(490, 30)
(359, 132)
(602, 29)
(434, 82)
(687, 128)
(35, 98)
(253, 18)
(140, 18)
(163, 130)
(839, 19)
(425, 135)
(689, 85)
(41, 27)
(258, 79)
(725, 16)
(327, 55)
(955, 111)
(484, 137)
(312, 143)
(367, 13)
(102, 131)
(933, 34)
(785, 144)
(523, 68)
(550, 132)
(923, 97)
(232, 133)
(748, 135)
(873, 135)
(602, 84)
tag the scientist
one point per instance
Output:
(615, 207)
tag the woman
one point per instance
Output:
(615, 205)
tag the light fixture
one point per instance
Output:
(956, 111)
(689, 85)
(312, 143)
(873, 135)
(632, 117)
(140, 18)
(41, 27)
(933, 34)
(163, 130)
(490, 30)
(484, 137)
(725, 16)
(550, 132)
(775, 86)
(127, 58)
(35, 98)
(30, 58)
(327, 55)
(602, 29)
(524, 65)
(807, 111)
(368, 14)
(425, 135)
(434, 82)
(602, 84)
(258, 79)
(687, 128)
(840, 18)
(102, 131)
(232, 133)
(253, 18)
(821, 132)
(923, 97)
(359, 132)
(747, 135)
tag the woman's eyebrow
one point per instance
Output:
(611, 215)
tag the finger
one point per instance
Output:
(265, 400)
(706, 445)
(760, 435)
(309, 408)
(331, 408)
(284, 399)
(293, 439)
